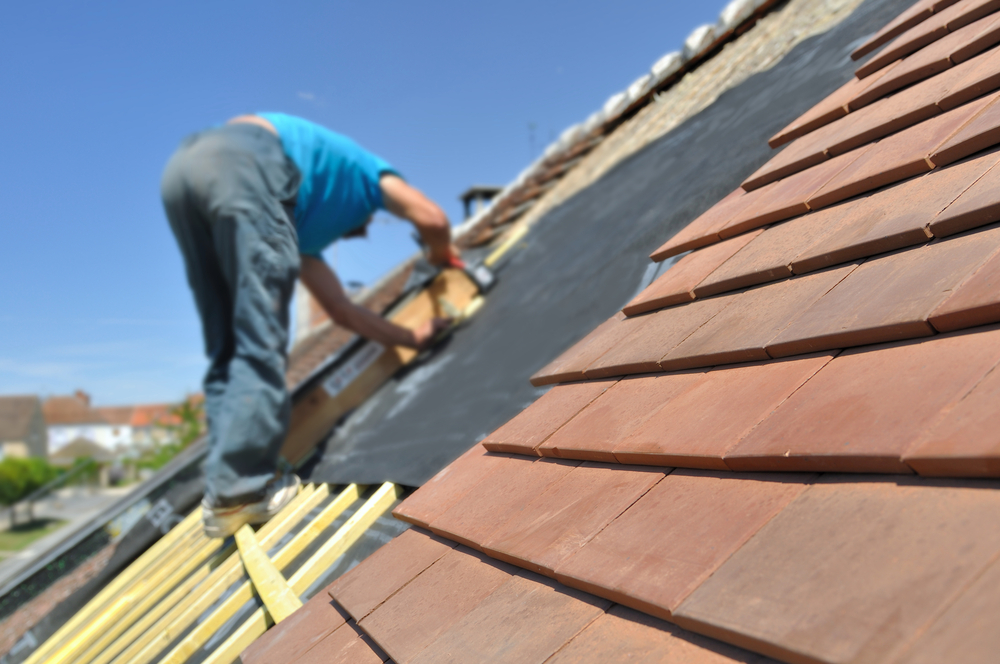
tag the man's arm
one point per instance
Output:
(325, 287)
(430, 220)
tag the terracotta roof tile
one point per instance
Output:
(601, 426)
(975, 302)
(742, 331)
(705, 229)
(390, 568)
(985, 39)
(978, 206)
(964, 442)
(624, 635)
(674, 537)
(527, 619)
(430, 604)
(858, 413)
(345, 645)
(499, 496)
(568, 514)
(654, 335)
(981, 132)
(769, 257)
(570, 365)
(893, 218)
(887, 298)
(800, 155)
(533, 425)
(446, 488)
(972, 79)
(788, 197)
(895, 158)
(918, 12)
(677, 284)
(825, 579)
(300, 632)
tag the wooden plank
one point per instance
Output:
(315, 414)
(260, 621)
(271, 587)
(121, 582)
(189, 608)
(200, 634)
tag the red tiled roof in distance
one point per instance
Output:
(527, 619)
(966, 441)
(769, 257)
(696, 428)
(705, 229)
(570, 365)
(975, 302)
(625, 635)
(893, 218)
(860, 413)
(593, 434)
(533, 425)
(301, 631)
(978, 206)
(918, 12)
(499, 496)
(982, 132)
(363, 588)
(673, 538)
(450, 485)
(851, 571)
(963, 633)
(677, 284)
(742, 331)
(832, 107)
(897, 157)
(787, 198)
(430, 604)
(653, 336)
(887, 298)
(568, 514)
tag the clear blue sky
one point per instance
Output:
(96, 96)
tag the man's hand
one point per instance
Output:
(430, 220)
(426, 333)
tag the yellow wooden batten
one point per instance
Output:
(272, 588)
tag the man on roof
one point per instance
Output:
(252, 204)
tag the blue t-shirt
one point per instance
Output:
(339, 189)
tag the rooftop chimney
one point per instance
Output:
(477, 196)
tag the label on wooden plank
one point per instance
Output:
(352, 368)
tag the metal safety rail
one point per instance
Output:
(188, 578)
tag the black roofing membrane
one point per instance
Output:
(580, 263)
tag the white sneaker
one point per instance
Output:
(224, 521)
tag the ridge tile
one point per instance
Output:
(966, 441)
(975, 302)
(654, 335)
(895, 158)
(787, 198)
(677, 284)
(673, 538)
(769, 257)
(981, 132)
(833, 578)
(571, 363)
(688, 430)
(742, 331)
(568, 514)
(526, 620)
(500, 496)
(593, 434)
(361, 589)
(438, 598)
(533, 425)
(894, 218)
(448, 486)
(857, 415)
(887, 298)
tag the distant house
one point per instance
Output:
(82, 448)
(152, 424)
(22, 427)
(71, 417)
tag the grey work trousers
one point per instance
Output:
(229, 194)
